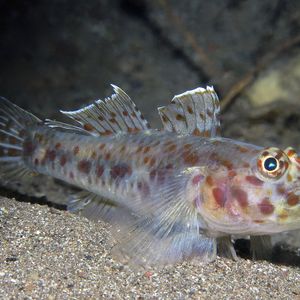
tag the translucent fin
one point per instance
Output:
(114, 114)
(261, 247)
(226, 248)
(166, 229)
(194, 112)
(14, 123)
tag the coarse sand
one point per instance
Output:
(46, 253)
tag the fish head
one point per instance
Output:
(259, 197)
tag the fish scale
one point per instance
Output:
(179, 193)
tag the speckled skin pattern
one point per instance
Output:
(225, 180)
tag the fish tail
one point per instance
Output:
(15, 124)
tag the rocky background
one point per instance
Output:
(64, 54)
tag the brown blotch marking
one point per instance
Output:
(292, 199)
(266, 207)
(107, 132)
(99, 170)
(113, 115)
(254, 180)
(100, 118)
(171, 148)
(265, 153)
(12, 140)
(57, 146)
(209, 180)
(158, 174)
(13, 152)
(63, 160)
(113, 120)
(202, 115)
(76, 150)
(28, 147)
(190, 158)
(209, 113)
(120, 170)
(289, 177)
(259, 221)
(291, 153)
(107, 156)
(94, 155)
(146, 149)
(187, 146)
(139, 149)
(246, 165)
(50, 154)
(146, 159)
(152, 162)
(84, 166)
(280, 189)
(219, 196)
(197, 179)
(206, 133)
(101, 146)
(228, 164)
(196, 132)
(190, 110)
(36, 161)
(241, 196)
(180, 117)
(123, 149)
(133, 114)
(39, 137)
(71, 175)
(88, 127)
(164, 119)
(232, 173)
(125, 113)
(242, 149)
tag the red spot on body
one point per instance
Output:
(50, 154)
(232, 173)
(99, 170)
(125, 113)
(228, 164)
(63, 160)
(254, 180)
(209, 180)
(119, 171)
(76, 150)
(292, 199)
(219, 196)
(29, 148)
(146, 149)
(196, 132)
(88, 127)
(107, 132)
(84, 166)
(57, 146)
(190, 158)
(242, 149)
(266, 207)
(197, 179)
(291, 153)
(241, 196)
(171, 148)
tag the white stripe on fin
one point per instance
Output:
(194, 112)
(111, 115)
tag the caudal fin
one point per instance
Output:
(14, 123)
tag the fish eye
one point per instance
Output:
(271, 164)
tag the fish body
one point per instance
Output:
(172, 194)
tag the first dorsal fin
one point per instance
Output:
(111, 115)
(194, 112)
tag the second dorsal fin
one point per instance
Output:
(194, 112)
(111, 115)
